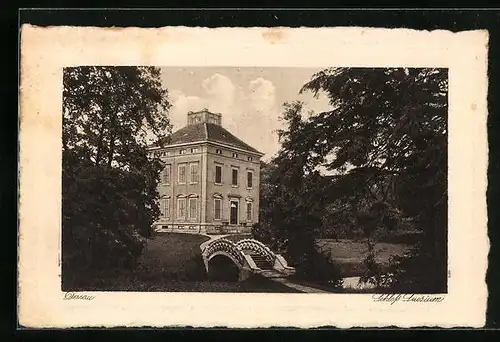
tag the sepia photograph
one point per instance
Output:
(299, 180)
(252, 177)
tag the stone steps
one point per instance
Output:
(261, 261)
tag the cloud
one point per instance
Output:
(258, 119)
(181, 104)
(220, 92)
(315, 104)
(261, 94)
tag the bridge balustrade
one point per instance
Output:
(224, 245)
(257, 247)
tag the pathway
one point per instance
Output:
(279, 278)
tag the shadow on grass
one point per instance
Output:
(168, 282)
(189, 276)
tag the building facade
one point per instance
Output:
(211, 180)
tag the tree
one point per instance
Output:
(292, 203)
(387, 130)
(110, 114)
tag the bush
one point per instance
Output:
(268, 235)
(95, 249)
(418, 271)
(105, 220)
(374, 272)
(318, 267)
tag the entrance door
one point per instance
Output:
(233, 219)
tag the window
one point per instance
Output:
(181, 208)
(194, 172)
(249, 158)
(233, 214)
(234, 178)
(166, 174)
(217, 208)
(249, 211)
(218, 151)
(193, 208)
(235, 155)
(194, 150)
(182, 174)
(183, 151)
(249, 179)
(165, 207)
(218, 174)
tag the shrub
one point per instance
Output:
(319, 267)
(374, 272)
(269, 235)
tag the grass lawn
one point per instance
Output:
(171, 252)
(349, 254)
(171, 262)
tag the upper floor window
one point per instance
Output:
(249, 179)
(234, 177)
(218, 174)
(218, 151)
(166, 175)
(181, 179)
(250, 158)
(183, 151)
(235, 155)
(194, 150)
(194, 172)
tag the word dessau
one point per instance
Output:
(72, 295)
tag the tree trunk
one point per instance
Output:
(111, 150)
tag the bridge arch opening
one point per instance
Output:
(222, 268)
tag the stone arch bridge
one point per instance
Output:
(243, 258)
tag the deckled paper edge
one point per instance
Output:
(40, 298)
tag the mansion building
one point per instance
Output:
(210, 183)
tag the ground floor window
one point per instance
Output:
(165, 207)
(181, 208)
(217, 208)
(233, 215)
(249, 211)
(193, 208)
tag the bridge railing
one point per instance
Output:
(226, 246)
(257, 247)
(236, 252)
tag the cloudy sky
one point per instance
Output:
(249, 99)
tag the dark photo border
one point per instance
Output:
(422, 19)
